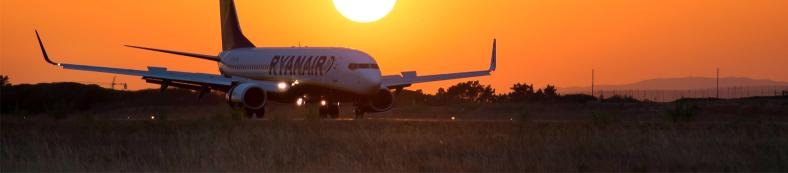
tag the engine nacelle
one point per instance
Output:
(250, 95)
(382, 101)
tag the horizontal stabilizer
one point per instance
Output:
(207, 57)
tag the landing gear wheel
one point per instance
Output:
(260, 113)
(249, 113)
(359, 113)
(333, 110)
(323, 111)
(255, 113)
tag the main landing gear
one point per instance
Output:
(329, 110)
(249, 112)
(255, 113)
(358, 111)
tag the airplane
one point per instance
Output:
(251, 76)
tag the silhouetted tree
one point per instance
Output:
(620, 99)
(576, 98)
(409, 97)
(440, 98)
(4, 81)
(539, 95)
(550, 91)
(521, 92)
(441, 92)
(60, 99)
(487, 95)
(471, 91)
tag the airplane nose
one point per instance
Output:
(371, 80)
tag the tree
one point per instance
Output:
(441, 92)
(550, 91)
(4, 81)
(471, 91)
(521, 91)
(487, 94)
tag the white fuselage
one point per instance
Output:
(342, 69)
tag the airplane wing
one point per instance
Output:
(410, 77)
(160, 75)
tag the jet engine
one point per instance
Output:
(382, 101)
(250, 95)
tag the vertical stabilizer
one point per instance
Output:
(232, 37)
(494, 54)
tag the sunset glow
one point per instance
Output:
(540, 42)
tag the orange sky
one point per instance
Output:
(541, 42)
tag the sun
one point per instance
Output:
(364, 11)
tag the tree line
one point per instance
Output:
(70, 97)
(476, 92)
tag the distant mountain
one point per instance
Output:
(684, 83)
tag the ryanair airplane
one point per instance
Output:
(251, 76)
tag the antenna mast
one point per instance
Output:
(592, 82)
(718, 82)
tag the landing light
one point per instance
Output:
(152, 117)
(282, 85)
(300, 101)
(452, 118)
(322, 102)
(294, 83)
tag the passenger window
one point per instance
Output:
(362, 66)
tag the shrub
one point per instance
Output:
(605, 117)
(620, 99)
(523, 116)
(683, 112)
(577, 98)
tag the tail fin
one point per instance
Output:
(232, 37)
(492, 62)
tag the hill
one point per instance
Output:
(683, 83)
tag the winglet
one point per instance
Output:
(44, 51)
(492, 62)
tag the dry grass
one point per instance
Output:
(229, 145)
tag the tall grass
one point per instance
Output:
(286, 145)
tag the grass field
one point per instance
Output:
(381, 145)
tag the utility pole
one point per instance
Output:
(592, 82)
(125, 85)
(718, 82)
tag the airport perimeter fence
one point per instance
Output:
(671, 95)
